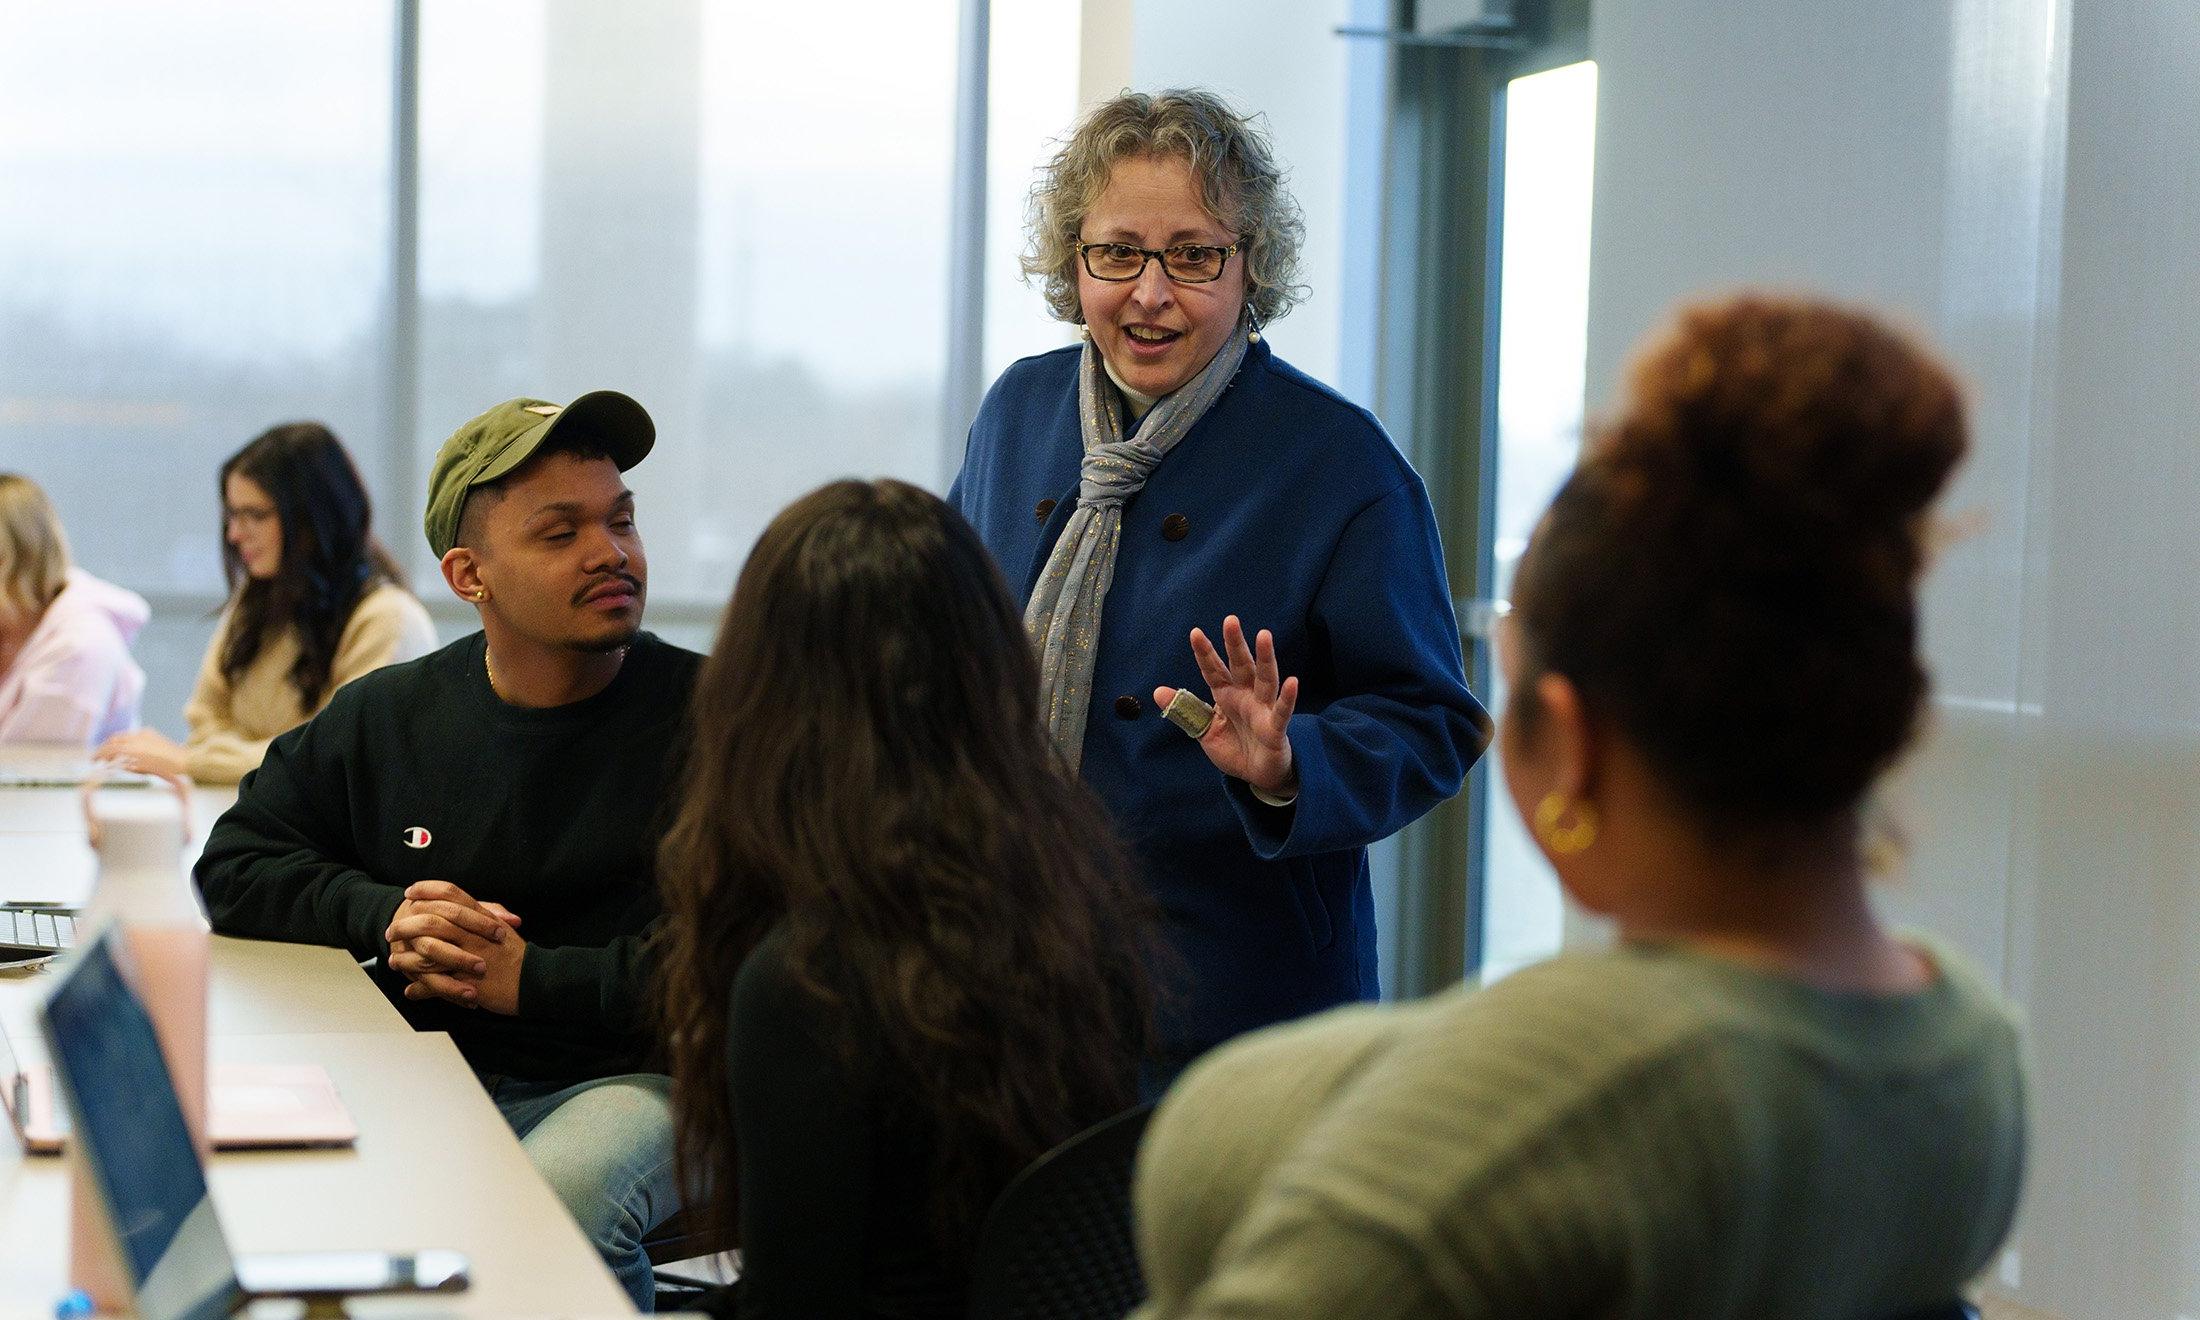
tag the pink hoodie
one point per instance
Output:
(74, 681)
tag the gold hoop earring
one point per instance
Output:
(1565, 840)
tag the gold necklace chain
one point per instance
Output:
(489, 668)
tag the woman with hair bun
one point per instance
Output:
(1170, 475)
(1761, 1102)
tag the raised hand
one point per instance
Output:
(1250, 737)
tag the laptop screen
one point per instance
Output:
(131, 1128)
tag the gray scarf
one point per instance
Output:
(1063, 617)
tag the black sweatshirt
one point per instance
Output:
(419, 772)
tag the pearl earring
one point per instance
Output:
(1084, 331)
(1252, 336)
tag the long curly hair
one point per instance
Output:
(867, 767)
(331, 558)
(1240, 184)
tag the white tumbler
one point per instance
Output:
(144, 890)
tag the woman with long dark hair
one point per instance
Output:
(314, 602)
(902, 956)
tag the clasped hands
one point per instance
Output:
(1250, 736)
(449, 945)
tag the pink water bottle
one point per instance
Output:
(145, 890)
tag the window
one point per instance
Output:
(737, 214)
(1543, 321)
(194, 246)
(708, 208)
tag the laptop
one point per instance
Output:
(30, 933)
(63, 767)
(146, 1173)
(251, 1106)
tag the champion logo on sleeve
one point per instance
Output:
(416, 837)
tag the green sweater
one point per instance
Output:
(419, 772)
(1641, 1133)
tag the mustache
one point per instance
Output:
(633, 583)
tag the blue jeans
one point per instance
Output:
(605, 1147)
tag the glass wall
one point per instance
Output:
(216, 219)
(194, 245)
(706, 207)
(1542, 341)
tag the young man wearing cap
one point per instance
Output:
(483, 821)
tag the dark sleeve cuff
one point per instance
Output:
(373, 908)
(575, 984)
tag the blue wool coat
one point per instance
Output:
(1289, 507)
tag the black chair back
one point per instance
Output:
(1057, 1244)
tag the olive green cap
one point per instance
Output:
(497, 442)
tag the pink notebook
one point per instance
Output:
(252, 1106)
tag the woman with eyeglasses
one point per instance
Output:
(1761, 1101)
(66, 676)
(1190, 520)
(315, 601)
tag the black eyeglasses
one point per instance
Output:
(1186, 263)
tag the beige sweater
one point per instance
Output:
(232, 724)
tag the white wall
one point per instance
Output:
(2016, 178)
(1104, 52)
(1283, 59)
(2109, 882)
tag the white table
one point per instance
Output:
(254, 988)
(435, 1165)
(43, 854)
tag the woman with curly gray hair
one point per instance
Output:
(1171, 473)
